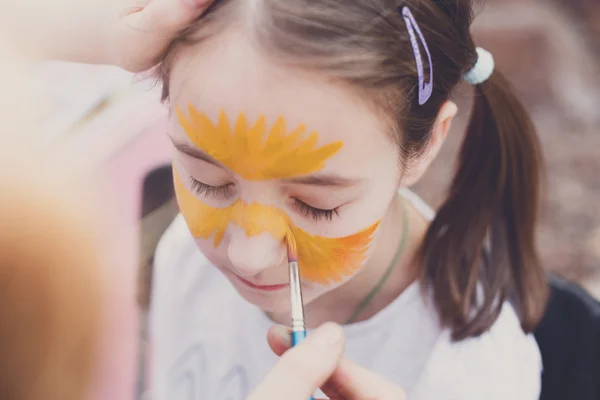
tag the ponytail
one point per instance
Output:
(480, 249)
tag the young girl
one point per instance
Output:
(314, 117)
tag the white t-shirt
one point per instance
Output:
(209, 343)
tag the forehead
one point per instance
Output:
(227, 74)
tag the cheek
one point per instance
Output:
(202, 220)
(330, 261)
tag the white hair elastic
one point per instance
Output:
(483, 68)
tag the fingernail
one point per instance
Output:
(283, 335)
(328, 335)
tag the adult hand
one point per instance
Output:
(132, 34)
(146, 30)
(318, 363)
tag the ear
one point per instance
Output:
(417, 168)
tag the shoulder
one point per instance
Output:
(174, 243)
(185, 280)
(179, 269)
(177, 258)
(503, 363)
(184, 283)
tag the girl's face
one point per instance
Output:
(263, 151)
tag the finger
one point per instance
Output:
(351, 382)
(303, 369)
(167, 16)
(147, 30)
(279, 339)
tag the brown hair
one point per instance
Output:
(50, 294)
(480, 248)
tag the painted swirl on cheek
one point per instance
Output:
(329, 260)
(322, 260)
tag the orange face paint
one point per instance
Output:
(245, 150)
(256, 153)
(326, 260)
(323, 260)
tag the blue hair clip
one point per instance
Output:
(425, 88)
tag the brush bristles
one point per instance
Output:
(292, 251)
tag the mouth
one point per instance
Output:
(264, 288)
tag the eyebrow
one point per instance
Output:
(325, 180)
(322, 180)
(194, 152)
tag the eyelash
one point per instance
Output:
(222, 191)
(316, 214)
(210, 191)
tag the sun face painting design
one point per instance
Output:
(246, 152)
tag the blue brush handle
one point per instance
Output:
(298, 337)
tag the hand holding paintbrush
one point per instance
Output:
(320, 358)
(298, 325)
(318, 362)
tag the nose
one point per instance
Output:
(251, 255)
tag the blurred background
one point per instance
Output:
(549, 49)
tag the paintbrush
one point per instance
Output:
(298, 325)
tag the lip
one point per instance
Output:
(265, 288)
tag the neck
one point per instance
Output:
(339, 304)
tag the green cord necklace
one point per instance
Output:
(367, 300)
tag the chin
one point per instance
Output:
(270, 303)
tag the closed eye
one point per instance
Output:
(316, 214)
(216, 192)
